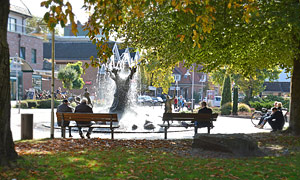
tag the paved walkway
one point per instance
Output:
(42, 118)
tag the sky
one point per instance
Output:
(35, 8)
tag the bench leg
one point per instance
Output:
(208, 130)
(63, 132)
(166, 128)
(196, 129)
(112, 133)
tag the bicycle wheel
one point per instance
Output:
(255, 117)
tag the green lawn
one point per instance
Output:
(139, 159)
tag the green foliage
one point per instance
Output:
(235, 100)
(226, 108)
(226, 94)
(32, 103)
(259, 105)
(46, 103)
(244, 108)
(250, 85)
(71, 76)
(216, 109)
(24, 105)
(78, 83)
(67, 75)
(268, 102)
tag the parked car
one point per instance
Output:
(144, 100)
(154, 100)
(217, 101)
(164, 98)
(159, 99)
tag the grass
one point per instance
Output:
(138, 159)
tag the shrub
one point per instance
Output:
(226, 109)
(31, 104)
(243, 108)
(47, 103)
(24, 105)
(226, 94)
(44, 103)
(235, 101)
(268, 102)
(259, 105)
(216, 110)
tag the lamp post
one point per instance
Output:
(193, 78)
(52, 86)
(177, 88)
(17, 66)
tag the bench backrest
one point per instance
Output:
(189, 117)
(87, 117)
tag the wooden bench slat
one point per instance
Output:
(87, 117)
(207, 119)
(96, 117)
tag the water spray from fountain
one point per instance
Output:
(119, 69)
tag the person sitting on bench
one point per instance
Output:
(278, 123)
(64, 107)
(84, 108)
(204, 110)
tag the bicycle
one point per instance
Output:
(256, 116)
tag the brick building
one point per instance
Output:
(184, 82)
(71, 49)
(27, 48)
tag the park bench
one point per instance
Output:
(187, 120)
(96, 117)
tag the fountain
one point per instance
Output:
(120, 69)
(118, 84)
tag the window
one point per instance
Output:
(12, 24)
(22, 52)
(177, 77)
(33, 56)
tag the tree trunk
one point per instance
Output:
(7, 146)
(295, 99)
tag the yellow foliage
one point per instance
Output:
(174, 3)
(182, 38)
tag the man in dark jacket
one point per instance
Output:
(64, 107)
(204, 110)
(278, 123)
(84, 108)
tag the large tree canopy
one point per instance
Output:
(251, 85)
(245, 35)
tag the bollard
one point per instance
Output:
(26, 126)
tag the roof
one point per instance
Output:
(19, 7)
(277, 86)
(70, 50)
(73, 50)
